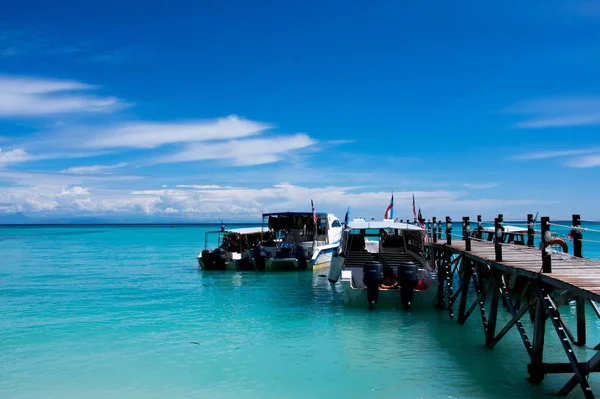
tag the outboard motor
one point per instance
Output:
(301, 257)
(260, 258)
(244, 264)
(220, 258)
(372, 277)
(207, 260)
(285, 251)
(408, 278)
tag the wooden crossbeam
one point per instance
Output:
(554, 318)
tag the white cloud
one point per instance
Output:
(14, 156)
(74, 191)
(590, 161)
(242, 152)
(153, 134)
(27, 96)
(239, 203)
(555, 154)
(558, 112)
(93, 169)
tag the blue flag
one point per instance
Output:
(347, 217)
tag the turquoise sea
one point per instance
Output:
(123, 312)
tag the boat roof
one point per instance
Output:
(385, 224)
(293, 214)
(507, 229)
(242, 231)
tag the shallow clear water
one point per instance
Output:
(124, 312)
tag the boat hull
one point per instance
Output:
(388, 298)
(235, 261)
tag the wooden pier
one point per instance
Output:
(524, 279)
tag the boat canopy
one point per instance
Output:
(236, 240)
(322, 215)
(385, 224)
(241, 231)
(507, 230)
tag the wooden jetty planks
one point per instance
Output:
(581, 275)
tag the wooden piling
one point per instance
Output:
(576, 234)
(439, 229)
(498, 233)
(546, 237)
(536, 371)
(448, 230)
(433, 227)
(581, 333)
(467, 233)
(479, 228)
(530, 230)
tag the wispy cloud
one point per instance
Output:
(558, 112)
(14, 156)
(93, 169)
(153, 134)
(29, 42)
(27, 96)
(555, 154)
(242, 152)
(591, 161)
(480, 186)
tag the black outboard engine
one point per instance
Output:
(372, 277)
(207, 260)
(408, 278)
(301, 258)
(220, 259)
(260, 258)
(285, 251)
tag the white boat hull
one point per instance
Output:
(387, 298)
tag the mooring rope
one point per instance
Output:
(576, 228)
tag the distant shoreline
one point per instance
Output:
(122, 224)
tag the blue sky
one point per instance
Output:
(210, 110)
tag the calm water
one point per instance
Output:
(100, 312)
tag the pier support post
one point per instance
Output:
(448, 230)
(433, 227)
(546, 237)
(536, 370)
(530, 230)
(467, 274)
(441, 274)
(490, 332)
(479, 228)
(466, 233)
(439, 229)
(581, 333)
(577, 247)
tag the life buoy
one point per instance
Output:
(561, 243)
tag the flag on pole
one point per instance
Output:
(414, 209)
(389, 212)
(347, 217)
(421, 220)
(314, 214)
(222, 226)
(535, 218)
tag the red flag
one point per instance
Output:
(414, 209)
(313, 212)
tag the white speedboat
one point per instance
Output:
(233, 251)
(384, 263)
(296, 243)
